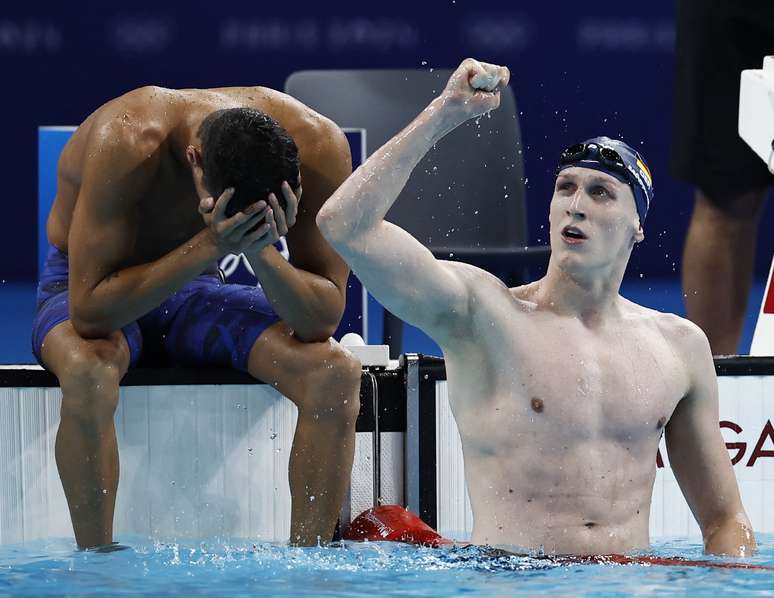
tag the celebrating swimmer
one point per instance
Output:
(561, 388)
(153, 188)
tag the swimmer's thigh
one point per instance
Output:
(231, 325)
(208, 323)
(61, 350)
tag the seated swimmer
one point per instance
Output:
(561, 388)
(131, 274)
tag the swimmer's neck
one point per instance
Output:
(185, 131)
(591, 297)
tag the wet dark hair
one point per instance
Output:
(248, 150)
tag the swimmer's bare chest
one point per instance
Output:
(614, 382)
(558, 422)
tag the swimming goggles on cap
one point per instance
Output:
(606, 156)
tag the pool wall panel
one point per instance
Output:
(197, 462)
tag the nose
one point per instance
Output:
(574, 208)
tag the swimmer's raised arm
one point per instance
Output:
(699, 457)
(395, 267)
(104, 295)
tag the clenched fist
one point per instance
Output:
(474, 89)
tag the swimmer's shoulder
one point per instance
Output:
(321, 142)
(128, 125)
(138, 122)
(316, 135)
(683, 335)
(134, 127)
(687, 337)
(485, 289)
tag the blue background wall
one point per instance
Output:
(579, 70)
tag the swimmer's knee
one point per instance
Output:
(89, 377)
(333, 384)
(338, 367)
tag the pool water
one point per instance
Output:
(54, 567)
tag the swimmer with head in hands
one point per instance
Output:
(152, 189)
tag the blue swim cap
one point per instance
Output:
(617, 159)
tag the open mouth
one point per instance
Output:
(572, 234)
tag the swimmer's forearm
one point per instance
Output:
(363, 200)
(308, 303)
(733, 536)
(128, 294)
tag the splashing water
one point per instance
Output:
(242, 568)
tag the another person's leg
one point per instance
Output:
(718, 264)
(89, 372)
(715, 42)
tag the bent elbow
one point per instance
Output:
(344, 237)
(89, 328)
(329, 228)
(318, 334)
(731, 536)
(321, 330)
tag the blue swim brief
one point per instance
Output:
(207, 322)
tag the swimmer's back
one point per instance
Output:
(131, 112)
(145, 119)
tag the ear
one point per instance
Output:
(193, 155)
(639, 236)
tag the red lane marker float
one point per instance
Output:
(676, 561)
(396, 524)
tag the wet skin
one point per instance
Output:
(562, 388)
(132, 215)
